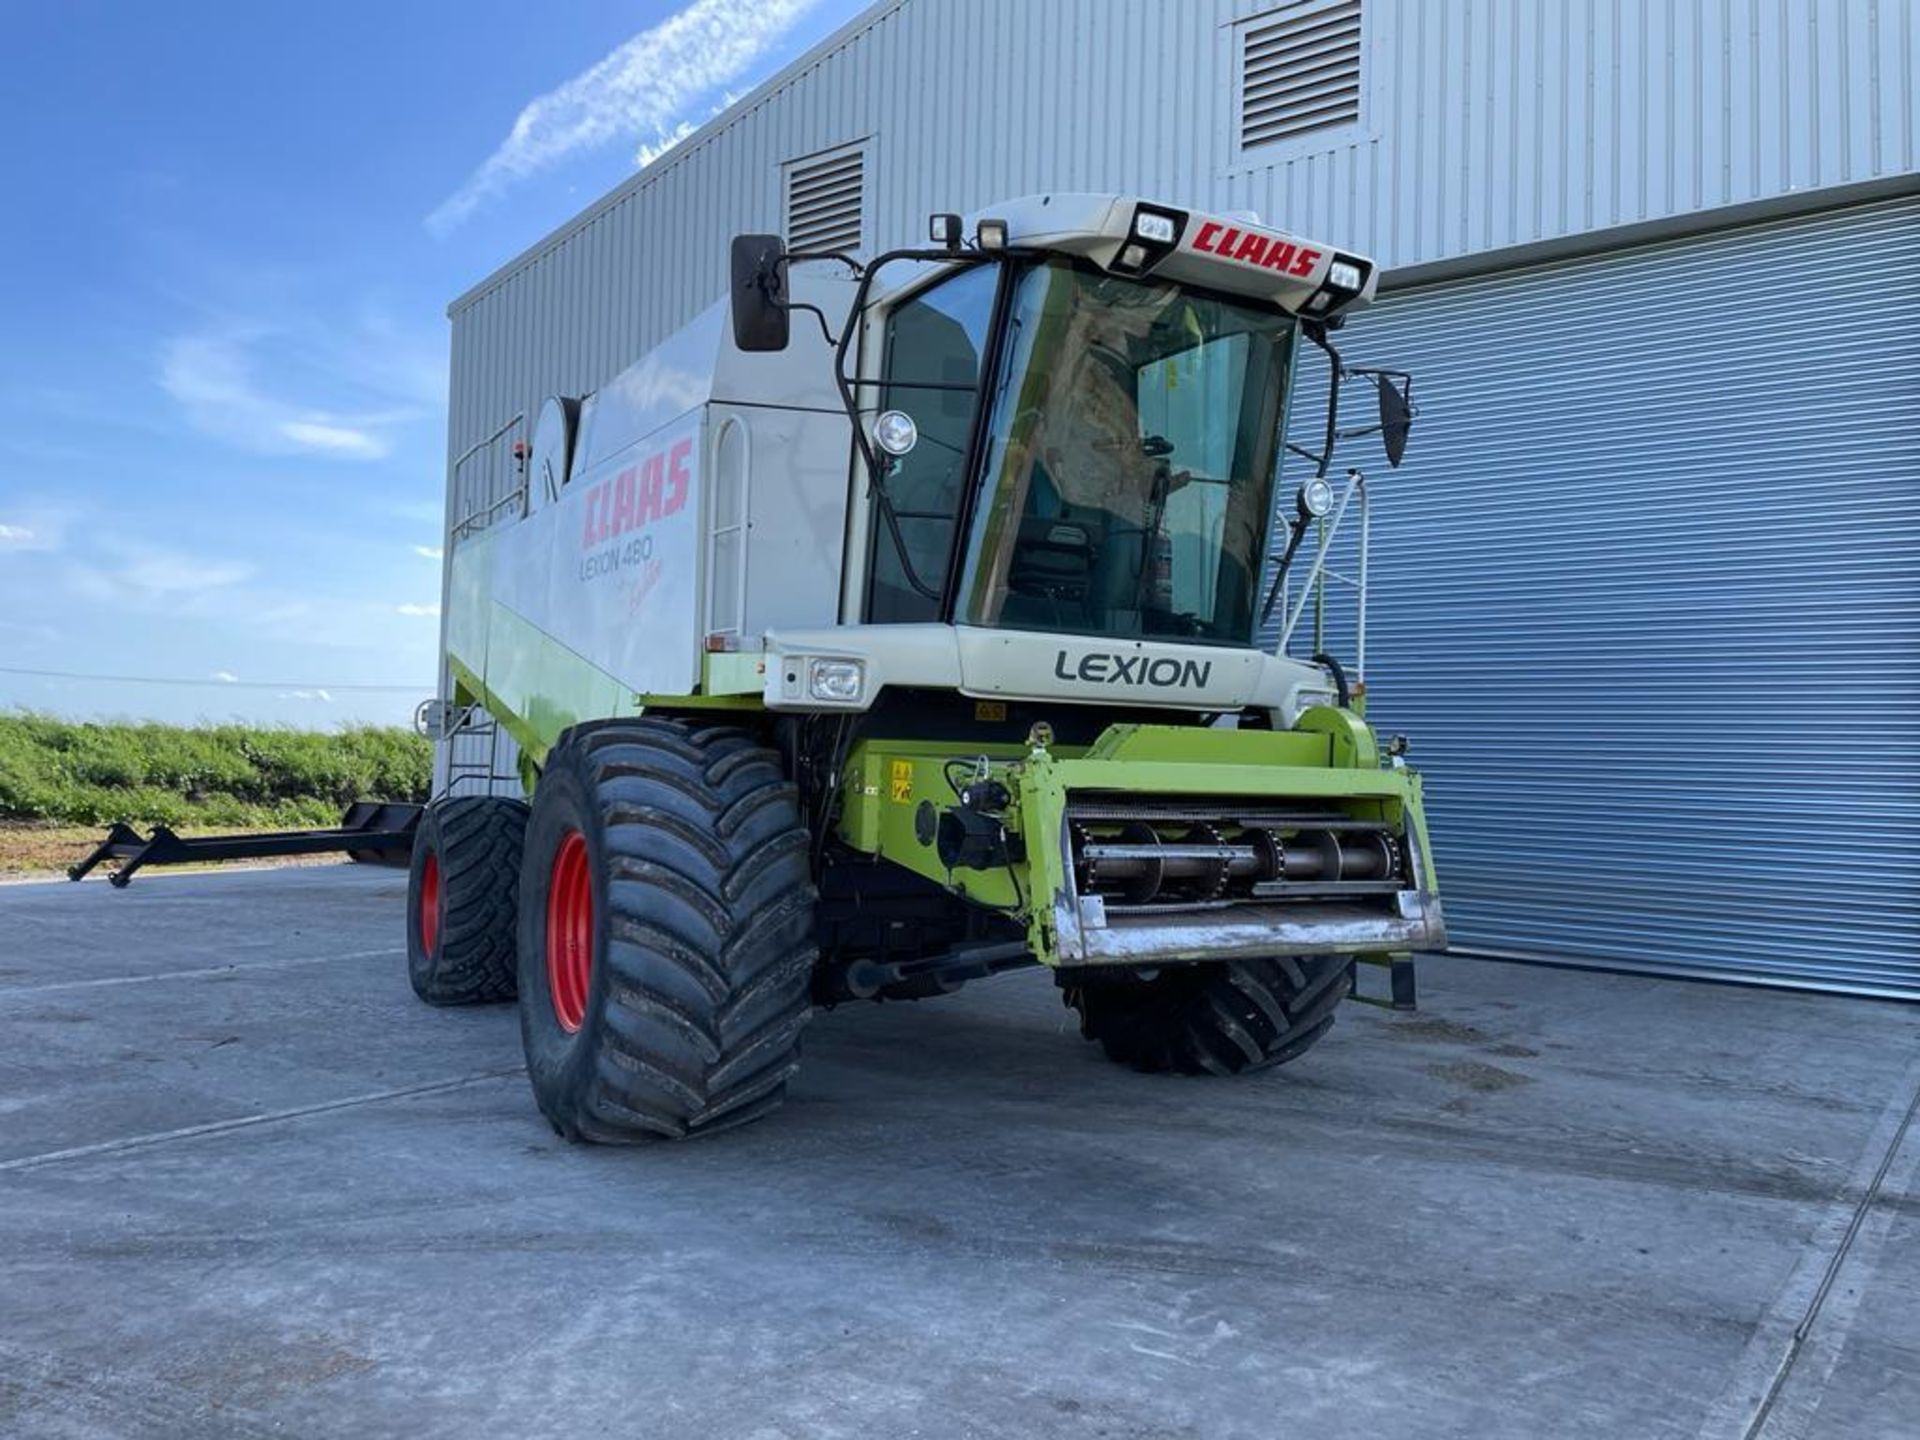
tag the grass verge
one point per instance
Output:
(205, 777)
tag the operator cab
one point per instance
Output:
(1073, 424)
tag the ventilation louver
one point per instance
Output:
(1299, 72)
(825, 196)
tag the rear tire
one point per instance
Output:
(1215, 1018)
(666, 931)
(462, 891)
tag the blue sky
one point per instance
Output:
(231, 234)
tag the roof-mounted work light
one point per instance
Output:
(1154, 227)
(945, 230)
(991, 234)
(1151, 238)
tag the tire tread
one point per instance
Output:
(479, 840)
(709, 949)
(1214, 1018)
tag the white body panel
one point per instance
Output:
(1034, 665)
(707, 494)
(610, 571)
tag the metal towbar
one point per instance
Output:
(369, 830)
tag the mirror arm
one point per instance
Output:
(1317, 333)
(1294, 537)
(849, 400)
(907, 572)
(800, 257)
(826, 331)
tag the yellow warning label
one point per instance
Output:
(988, 710)
(900, 782)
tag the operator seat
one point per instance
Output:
(1053, 556)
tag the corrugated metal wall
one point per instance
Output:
(1647, 599)
(1485, 123)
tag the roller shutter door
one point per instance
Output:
(1647, 600)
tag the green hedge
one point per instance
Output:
(213, 775)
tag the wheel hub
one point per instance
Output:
(430, 904)
(570, 931)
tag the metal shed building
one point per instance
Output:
(1647, 591)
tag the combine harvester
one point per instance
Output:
(893, 625)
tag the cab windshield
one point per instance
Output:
(1130, 459)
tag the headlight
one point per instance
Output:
(1304, 700)
(838, 682)
(1155, 228)
(895, 433)
(1344, 274)
(1316, 496)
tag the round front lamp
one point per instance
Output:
(895, 432)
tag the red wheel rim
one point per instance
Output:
(570, 931)
(430, 903)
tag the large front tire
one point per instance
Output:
(666, 931)
(1214, 1018)
(462, 886)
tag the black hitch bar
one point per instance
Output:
(371, 831)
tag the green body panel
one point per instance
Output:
(882, 789)
(733, 672)
(535, 686)
(892, 790)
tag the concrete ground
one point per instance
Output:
(248, 1186)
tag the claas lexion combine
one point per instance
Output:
(896, 624)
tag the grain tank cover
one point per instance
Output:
(606, 586)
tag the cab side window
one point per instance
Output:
(936, 339)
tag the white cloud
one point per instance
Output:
(334, 439)
(429, 552)
(652, 150)
(411, 609)
(40, 528)
(122, 572)
(211, 376)
(304, 695)
(646, 87)
(169, 573)
(225, 677)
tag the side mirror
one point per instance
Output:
(1396, 416)
(759, 293)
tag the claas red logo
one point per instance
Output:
(640, 494)
(1261, 252)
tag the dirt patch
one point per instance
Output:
(1478, 1076)
(1450, 1032)
(1508, 1050)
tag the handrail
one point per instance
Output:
(479, 445)
(1313, 585)
(486, 512)
(518, 495)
